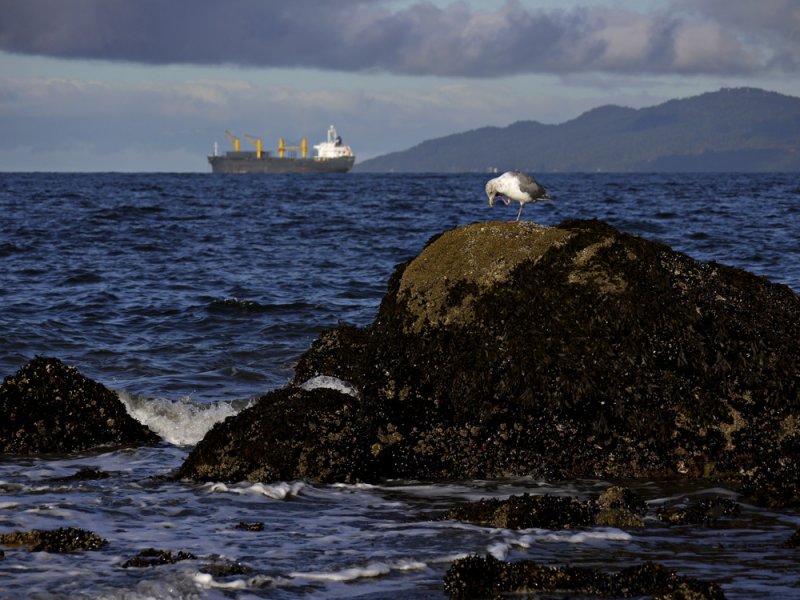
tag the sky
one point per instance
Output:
(151, 85)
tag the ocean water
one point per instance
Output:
(192, 294)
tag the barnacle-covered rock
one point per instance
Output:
(706, 511)
(151, 557)
(557, 352)
(64, 539)
(48, 407)
(527, 511)
(616, 507)
(620, 507)
(488, 577)
(287, 434)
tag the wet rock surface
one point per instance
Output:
(64, 539)
(487, 577)
(84, 474)
(225, 569)
(616, 507)
(775, 480)
(151, 557)
(288, 434)
(245, 526)
(48, 407)
(526, 511)
(514, 349)
(707, 512)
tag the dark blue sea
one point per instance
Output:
(192, 294)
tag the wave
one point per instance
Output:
(532, 538)
(332, 383)
(180, 422)
(184, 422)
(374, 569)
(276, 491)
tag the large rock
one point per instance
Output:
(48, 407)
(574, 351)
(288, 434)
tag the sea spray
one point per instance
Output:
(180, 422)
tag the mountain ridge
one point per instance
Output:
(732, 129)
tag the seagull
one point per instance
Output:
(514, 185)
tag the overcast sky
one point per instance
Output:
(150, 85)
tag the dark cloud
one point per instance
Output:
(771, 27)
(704, 36)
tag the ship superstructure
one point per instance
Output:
(332, 156)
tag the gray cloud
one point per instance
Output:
(725, 37)
(771, 27)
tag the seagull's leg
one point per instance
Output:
(519, 214)
(506, 200)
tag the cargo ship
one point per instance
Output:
(332, 157)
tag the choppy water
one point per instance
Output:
(191, 294)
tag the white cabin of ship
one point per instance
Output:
(333, 148)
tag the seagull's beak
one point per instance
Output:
(491, 199)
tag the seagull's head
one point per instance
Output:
(491, 191)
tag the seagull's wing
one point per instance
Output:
(529, 185)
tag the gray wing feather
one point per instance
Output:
(529, 185)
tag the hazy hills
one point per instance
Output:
(740, 129)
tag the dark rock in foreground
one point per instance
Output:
(514, 349)
(526, 511)
(48, 407)
(225, 569)
(616, 507)
(65, 539)
(775, 480)
(487, 577)
(156, 558)
(289, 434)
(707, 512)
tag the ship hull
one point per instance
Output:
(225, 164)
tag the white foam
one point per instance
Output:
(331, 383)
(205, 580)
(276, 491)
(499, 550)
(180, 422)
(605, 534)
(371, 570)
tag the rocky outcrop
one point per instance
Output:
(515, 349)
(487, 577)
(319, 435)
(156, 558)
(48, 407)
(616, 507)
(64, 539)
